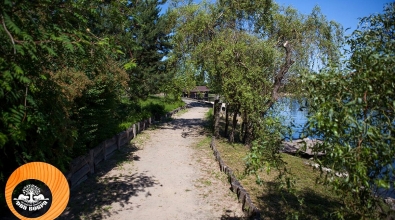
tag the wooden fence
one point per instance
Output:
(244, 198)
(80, 168)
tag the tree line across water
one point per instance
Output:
(72, 72)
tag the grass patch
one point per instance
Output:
(317, 199)
(153, 106)
(167, 103)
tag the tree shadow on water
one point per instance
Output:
(94, 197)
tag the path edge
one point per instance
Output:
(243, 196)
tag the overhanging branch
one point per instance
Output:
(278, 80)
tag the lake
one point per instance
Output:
(293, 114)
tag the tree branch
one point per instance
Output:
(24, 115)
(9, 34)
(278, 81)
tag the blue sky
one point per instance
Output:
(345, 12)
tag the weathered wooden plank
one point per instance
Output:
(122, 135)
(91, 161)
(111, 141)
(110, 154)
(121, 139)
(99, 157)
(105, 150)
(110, 149)
(79, 174)
(99, 148)
(130, 134)
(77, 163)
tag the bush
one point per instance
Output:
(156, 110)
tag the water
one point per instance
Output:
(293, 114)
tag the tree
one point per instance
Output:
(31, 190)
(353, 110)
(150, 33)
(66, 67)
(201, 39)
(218, 39)
(51, 64)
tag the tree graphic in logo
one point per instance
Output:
(31, 195)
(31, 190)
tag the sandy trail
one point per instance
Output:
(160, 176)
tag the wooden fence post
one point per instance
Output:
(119, 141)
(92, 161)
(134, 131)
(105, 150)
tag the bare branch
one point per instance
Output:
(278, 81)
(9, 34)
(24, 115)
(283, 70)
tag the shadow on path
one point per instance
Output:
(93, 198)
(189, 126)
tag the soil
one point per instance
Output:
(167, 172)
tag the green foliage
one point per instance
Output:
(149, 32)
(66, 67)
(210, 119)
(353, 111)
(152, 107)
(241, 53)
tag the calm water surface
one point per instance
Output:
(293, 114)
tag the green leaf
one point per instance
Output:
(130, 65)
(3, 140)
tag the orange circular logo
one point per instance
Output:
(37, 190)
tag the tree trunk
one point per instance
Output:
(217, 109)
(248, 130)
(248, 134)
(278, 80)
(244, 126)
(234, 124)
(226, 119)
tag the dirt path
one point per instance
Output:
(163, 174)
